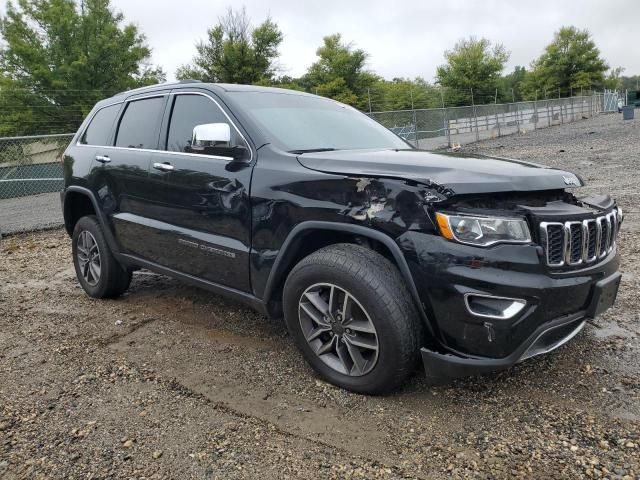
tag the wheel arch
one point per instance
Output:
(329, 233)
(72, 211)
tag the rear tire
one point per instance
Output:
(375, 347)
(99, 273)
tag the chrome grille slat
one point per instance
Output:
(573, 243)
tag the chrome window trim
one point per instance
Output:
(170, 94)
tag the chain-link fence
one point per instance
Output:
(31, 165)
(435, 128)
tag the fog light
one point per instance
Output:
(489, 306)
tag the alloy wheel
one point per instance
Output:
(338, 329)
(88, 254)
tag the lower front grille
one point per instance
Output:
(576, 242)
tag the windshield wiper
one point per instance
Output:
(312, 150)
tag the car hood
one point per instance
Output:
(459, 173)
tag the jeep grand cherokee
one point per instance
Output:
(376, 253)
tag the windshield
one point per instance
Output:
(299, 122)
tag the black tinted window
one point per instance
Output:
(192, 110)
(100, 127)
(139, 125)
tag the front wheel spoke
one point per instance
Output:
(95, 270)
(318, 302)
(333, 299)
(327, 347)
(344, 356)
(360, 326)
(362, 341)
(347, 303)
(316, 332)
(359, 362)
(85, 270)
(313, 313)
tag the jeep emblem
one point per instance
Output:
(571, 181)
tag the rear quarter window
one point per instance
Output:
(99, 129)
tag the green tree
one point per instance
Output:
(473, 64)
(235, 52)
(340, 73)
(614, 80)
(60, 57)
(570, 62)
(631, 83)
(403, 94)
(510, 85)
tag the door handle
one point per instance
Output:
(103, 159)
(165, 167)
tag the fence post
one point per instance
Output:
(369, 95)
(513, 98)
(415, 119)
(535, 111)
(495, 109)
(475, 117)
(447, 130)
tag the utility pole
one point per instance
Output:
(369, 95)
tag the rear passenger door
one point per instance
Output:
(206, 205)
(121, 172)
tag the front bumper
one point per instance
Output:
(440, 367)
(557, 302)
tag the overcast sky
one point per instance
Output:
(403, 38)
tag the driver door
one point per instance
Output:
(205, 202)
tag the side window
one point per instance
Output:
(191, 110)
(98, 131)
(140, 124)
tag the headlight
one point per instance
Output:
(483, 231)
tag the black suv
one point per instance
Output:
(375, 253)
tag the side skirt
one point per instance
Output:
(238, 295)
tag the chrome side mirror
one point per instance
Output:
(210, 135)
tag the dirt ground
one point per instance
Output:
(172, 382)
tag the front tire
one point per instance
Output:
(350, 314)
(98, 272)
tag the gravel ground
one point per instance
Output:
(25, 214)
(172, 382)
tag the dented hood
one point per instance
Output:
(458, 173)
